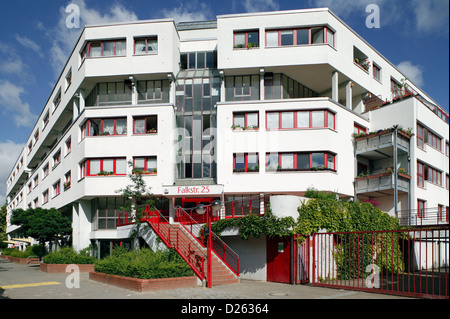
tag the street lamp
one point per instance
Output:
(215, 206)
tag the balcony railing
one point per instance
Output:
(424, 217)
(380, 182)
(381, 139)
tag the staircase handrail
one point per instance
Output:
(220, 248)
(186, 257)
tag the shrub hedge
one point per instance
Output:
(68, 255)
(145, 264)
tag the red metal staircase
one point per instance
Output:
(181, 236)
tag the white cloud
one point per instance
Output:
(12, 64)
(414, 73)
(431, 15)
(64, 39)
(30, 44)
(9, 152)
(192, 11)
(11, 102)
(261, 5)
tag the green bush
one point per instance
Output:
(144, 265)
(7, 251)
(22, 254)
(68, 255)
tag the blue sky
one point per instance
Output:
(35, 44)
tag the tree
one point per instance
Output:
(136, 197)
(41, 224)
(2, 223)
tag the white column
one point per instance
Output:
(335, 86)
(348, 95)
(81, 100)
(222, 87)
(261, 84)
(171, 210)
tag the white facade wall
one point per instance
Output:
(328, 70)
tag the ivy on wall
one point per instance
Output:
(316, 214)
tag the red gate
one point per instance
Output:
(403, 262)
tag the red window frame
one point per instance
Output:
(295, 114)
(440, 212)
(86, 167)
(420, 136)
(420, 174)
(246, 37)
(145, 118)
(87, 129)
(56, 158)
(246, 168)
(421, 208)
(310, 154)
(294, 35)
(245, 117)
(376, 72)
(56, 188)
(146, 158)
(86, 53)
(146, 44)
(45, 197)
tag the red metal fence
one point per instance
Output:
(403, 262)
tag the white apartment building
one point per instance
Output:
(255, 104)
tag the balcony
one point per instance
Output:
(381, 142)
(382, 184)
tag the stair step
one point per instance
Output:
(221, 274)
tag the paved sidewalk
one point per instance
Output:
(28, 282)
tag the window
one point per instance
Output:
(246, 39)
(36, 136)
(376, 72)
(280, 86)
(56, 158)
(198, 60)
(447, 181)
(145, 164)
(46, 119)
(35, 202)
(146, 45)
(361, 59)
(45, 171)
(104, 167)
(111, 93)
(358, 129)
(440, 213)
(302, 36)
(145, 125)
(447, 148)
(57, 100)
(45, 197)
(150, 92)
(242, 88)
(420, 174)
(29, 187)
(246, 120)
(67, 180)
(245, 162)
(421, 208)
(434, 141)
(30, 147)
(56, 188)
(68, 79)
(420, 136)
(434, 176)
(104, 49)
(300, 161)
(105, 127)
(36, 181)
(300, 119)
(68, 146)
(106, 212)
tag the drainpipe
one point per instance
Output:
(395, 171)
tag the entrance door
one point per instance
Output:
(279, 259)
